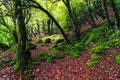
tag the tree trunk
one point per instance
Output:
(90, 13)
(117, 18)
(107, 14)
(48, 25)
(75, 29)
(21, 58)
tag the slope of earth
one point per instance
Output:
(69, 68)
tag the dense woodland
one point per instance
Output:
(59, 39)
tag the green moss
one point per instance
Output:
(47, 40)
(59, 41)
(117, 59)
(39, 40)
(91, 63)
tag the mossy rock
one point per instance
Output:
(59, 41)
(39, 40)
(117, 59)
(47, 40)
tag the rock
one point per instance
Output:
(6, 60)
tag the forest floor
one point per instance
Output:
(67, 68)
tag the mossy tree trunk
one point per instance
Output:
(117, 17)
(106, 13)
(90, 12)
(21, 58)
(74, 24)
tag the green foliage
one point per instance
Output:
(100, 48)
(29, 46)
(95, 57)
(1, 62)
(74, 49)
(117, 59)
(91, 63)
(59, 41)
(58, 47)
(29, 77)
(20, 78)
(46, 57)
(14, 47)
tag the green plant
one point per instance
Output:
(74, 49)
(1, 62)
(58, 47)
(91, 63)
(46, 56)
(30, 46)
(29, 77)
(117, 59)
(95, 57)
(98, 48)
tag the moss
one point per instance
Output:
(39, 40)
(117, 59)
(59, 41)
(47, 40)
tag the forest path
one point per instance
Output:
(70, 68)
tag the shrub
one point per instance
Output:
(117, 59)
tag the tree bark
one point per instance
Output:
(74, 24)
(21, 58)
(48, 26)
(90, 13)
(113, 4)
(107, 14)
